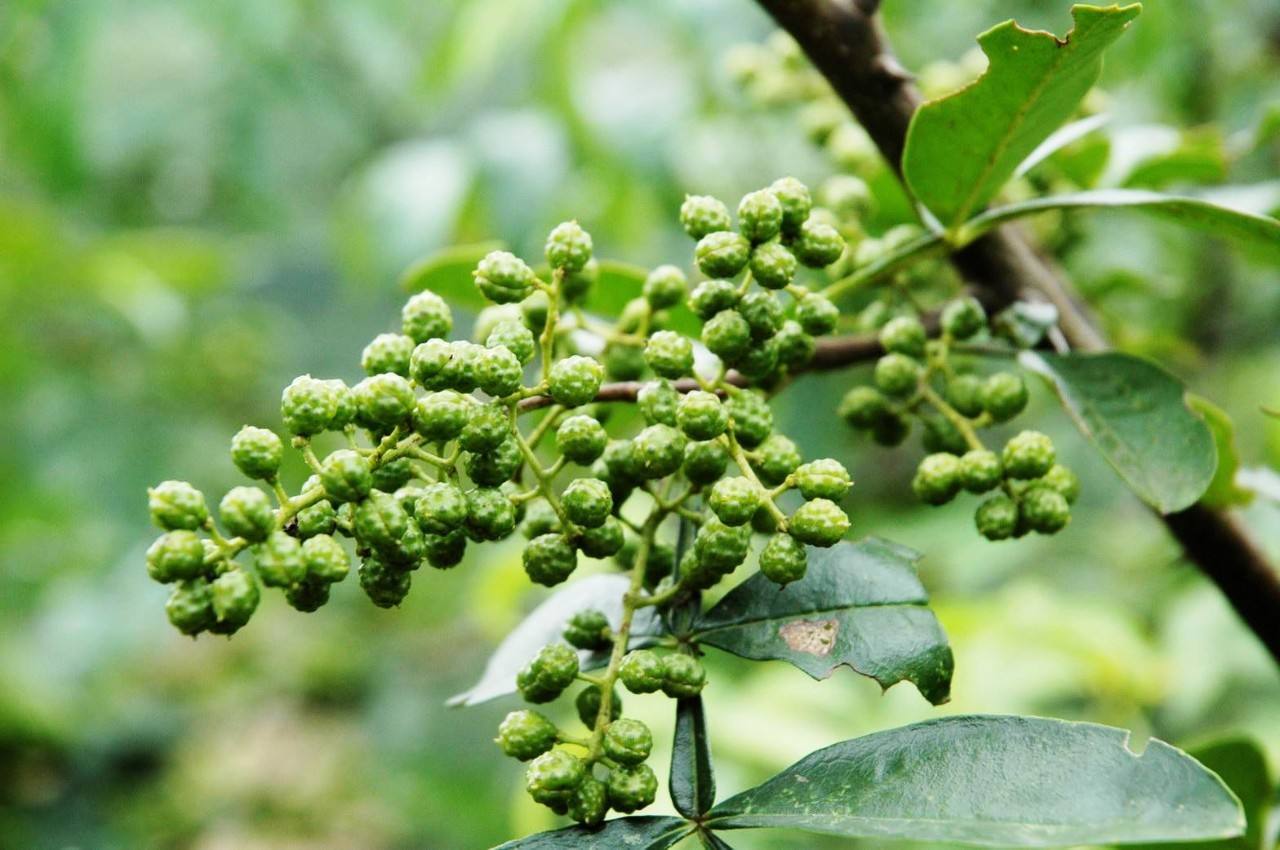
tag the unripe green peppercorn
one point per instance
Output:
(234, 596)
(627, 741)
(387, 353)
(701, 416)
(632, 788)
(664, 287)
(307, 406)
(426, 316)
(759, 215)
(623, 361)
(772, 265)
(795, 347)
(763, 312)
(823, 479)
(380, 521)
(727, 335)
(1028, 454)
(589, 802)
(385, 584)
(490, 514)
(937, 478)
(588, 629)
(346, 476)
(963, 317)
(428, 361)
(734, 500)
(795, 200)
(324, 559)
(568, 247)
(964, 393)
(642, 671)
(492, 468)
(997, 517)
(588, 706)
(257, 452)
(549, 672)
(721, 547)
(445, 550)
(587, 502)
(319, 518)
(498, 371)
(862, 407)
(515, 337)
(176, 555)
(711, 296)
(759, 361)
(552, 777)
(704, 462)
(783, 559)
(441, 416)
(942, 435)
(190, 607)
(904, 335)
(441, 508)
(383, 401)
(177, 505)
(1043, 509)
(279, 560)
(722, 254)
(621, 462)
(816, 314)
(549, 559)
(775, 459)
(750, 416)
(659, 451)
(487, 426)
(581, 439)
(603, 541)
(461, 372)
(1063, 480)
(669, 354)
(526, 734)
(980, 471)
(817, 245)
(503, 277)
(683, 676)
(703, 214)
(819, 522)
(897, 374)
(246, 512)
(1004, 395)
(575, 380)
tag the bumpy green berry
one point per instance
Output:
(319, 518)
(234, 596)
(174, 556)
(997, 517)
(772, 265)
(380, 521)
(734, 500)
(624, 362)
(177, 505)
(588, 706)
(659, 451)
(1004, 395)
(257, 452)
(963, 317)
(324, 559)
(588, 629)
(669, 354)
(190, 607)
(704, 462)
(622, 464)
(727, 335)
(426, 316)
(964, 393)
(722, 254)
(721, 547)
(897, 374)
(539, 519)
(1043, 509)
(581, 439)
(759, 361)
(759, 215)
(942, 435)
(1063, 480)
(775, 459)
(711, 296)
(751, 417)
(783, 559)
(703, 214)
(980, 470)
(602, 541)
(816, 314)
(391, 475)
(823, 479)
(552, 777)
(795, 346)
(279, 560)
(632, 788)
(575, 380)
(445, 550)
(441, 416)
(383, 401)
(427, 362)
(549, 559)
(498, 371)
(642, 671)
(549, 672)
(683, 676)
(490, 514)
(863, 407)
(1028, 454)
(763, 313)
(526, 734)
(817, 245)
(819, 522)
(568, 247)
(664, 287)
(937, 478)
(346, 476)
(795, 200)
(246, 512)
(904, 335)
(514, 337)
(487, 426)
(503, 277)
(627, 741)
(587, 502)
(441, 508)
(589, 802)
(701, 415)
(460, 372)
(387, 353)
(385, 584)
(307, 406)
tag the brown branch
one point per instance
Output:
(844, 40)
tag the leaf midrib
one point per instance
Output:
(832, 610)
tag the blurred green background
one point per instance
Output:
(199, 201)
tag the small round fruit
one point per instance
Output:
(701, 415)
(664, 287)
(246, 512)
(549, 559)
(980, 471)
(575, 380)
(175, 556)
(1044, 509)
(783, 559)
(897, 374)
(904, 335)
(548, 673)
(177, 505)
(997, 517)
(257, 452)
(819, 522)
(426, 316)
(1063, 480)
(963, 317)
(683, 676)
(1004, 395)
(346, 476)
(703, 214)
(627, 741)
(526, 734)
(1027, 455)
(817, 245)
(669, 354)
(587, 502)
(503, 277)
(568, 247)
(642, 671)
(581, 439)
(734, 500)
(937, 478)
(588, 629)
(722, 254)
(825, 478)
(759, 215)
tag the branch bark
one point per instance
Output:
(845, 42)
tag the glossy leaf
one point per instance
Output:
(962, 148)
(692, 782)
(860, 604)
(447, 273)
(990, 780)
(1259, 232)
(1135, 413)
(633, 833)
(1224, 490)
(545, 624)
(711, 841)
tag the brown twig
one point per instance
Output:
(844, 40)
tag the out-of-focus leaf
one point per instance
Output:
(1059, 139)
(1135, 413)
(859, 604)
(998, 781)
(1260, 481)
(545, 624)
(620, 283)
(1199, 156)
(447, 273)
(711, 841)
(1224, 491)
(962, 148)
(692, 782)
(633, 833)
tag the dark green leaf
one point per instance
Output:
(1258, 231)
(711, 841)
(633, 833)
(1136, 414)
(963, 147)
(545, 625)
(447, 273)
(1224, 491)
(859, 604)
(1008, 781)
(692, 782)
